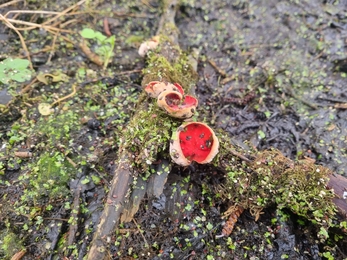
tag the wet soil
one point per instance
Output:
(270, 72)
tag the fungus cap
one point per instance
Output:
(154, 88)
(177, 105)
(148, 45)
(193, 141)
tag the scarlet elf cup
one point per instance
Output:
(193, 141)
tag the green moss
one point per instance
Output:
(273, 179)
(170, 64)
(49, 178)
(59, 128)
(10, 245)
(148, 135)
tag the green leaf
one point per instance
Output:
(18, 64)
(100, 37)
(14, 69)
(209, 226)
(3, 78)
(88, 33)
(261, 134)
(22, 76)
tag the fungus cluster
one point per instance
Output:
(192, 141)
(171, 98)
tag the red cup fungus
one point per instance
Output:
(176, 105)
(154, 88)
(193, 141)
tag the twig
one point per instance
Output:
(35, 25)
(60, 219)
(51, 53)
(227, 79)
(140, 232)
(18, 255)
(30, 25)
(10, 3)
(301, 99)
(29, 12)
(64, 12)
(26, 154)
(214, 65)
(106, 27)
(341, 106)
(27, 87)
(74, 216)
(90, 55)
(128, 72)
(71, 162)
(68, 22)
(21, 39)
(332, 99)
(67, 96)
(242, 157)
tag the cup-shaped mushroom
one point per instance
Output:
(193, 141)
(178, 87)
(154, 88)
(176, 105)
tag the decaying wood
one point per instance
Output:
(120, 186)
(271, 179)
(120, 192)
(19, 255)
(74, 216)
(153, 187)
(339, 184)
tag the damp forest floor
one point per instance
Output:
(273, 73)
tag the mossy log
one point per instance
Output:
(269, 178)
(254, 180)
(144, 138)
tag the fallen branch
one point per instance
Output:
(120, 187)
(120, 192)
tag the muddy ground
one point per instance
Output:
(273, 73)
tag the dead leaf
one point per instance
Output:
(55, 77)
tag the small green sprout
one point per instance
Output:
(328, 255)
(105, 44)
(209, 226)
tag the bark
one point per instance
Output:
(120, 186)
(339, 184)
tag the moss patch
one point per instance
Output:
(273, 179)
